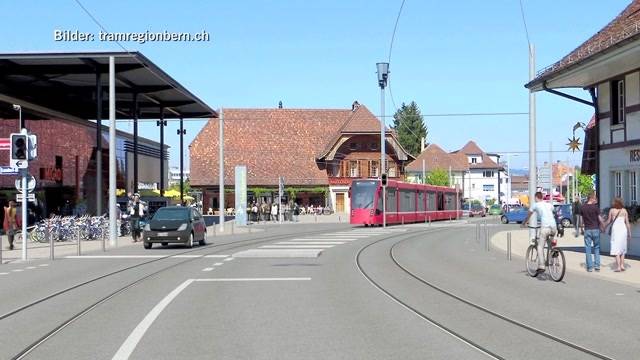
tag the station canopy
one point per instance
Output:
(64, 85)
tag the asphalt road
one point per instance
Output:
(227, 307)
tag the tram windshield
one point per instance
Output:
(363, 193)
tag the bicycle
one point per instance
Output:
(554, 259)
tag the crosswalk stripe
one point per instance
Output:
(309, 243)
(296, 246)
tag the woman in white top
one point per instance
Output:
(620, 232)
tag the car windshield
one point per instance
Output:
(362, 194)
(171, 214)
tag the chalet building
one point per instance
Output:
(474, 171)
(317, 151)
(607, 66)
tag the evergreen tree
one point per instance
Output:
(407, 122)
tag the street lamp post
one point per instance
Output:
(509, 191)
(383, 76)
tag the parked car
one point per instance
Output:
(516, 215)
(477, 210)
(564, 215)
(465, 209)
(175, 224)
(495, 209)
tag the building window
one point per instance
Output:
(474, 160)
(617, 102)
(374, 168)
(392, 171)
(633, 187)
(353, 146)
(473, 186)
(487, 187)
(374, 146)
(487, 174)
(617, 184)
(353, 169)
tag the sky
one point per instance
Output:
(449, 57)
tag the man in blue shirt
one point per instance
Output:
(548, 225)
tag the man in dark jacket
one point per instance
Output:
(576, 218)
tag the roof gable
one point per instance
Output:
(436, 158)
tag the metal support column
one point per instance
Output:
(113, 221)
(181, 132)
(98, 143)
(162, 123)
(221, 170)
(135, 142)
(532, 141)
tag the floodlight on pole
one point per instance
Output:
(383, 76)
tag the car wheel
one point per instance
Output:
(165, 244)
(504, 220)
(190, 242)
(566, 223)
(148, 245)
(203, 242)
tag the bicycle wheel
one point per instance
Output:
(557, 265)
(531, 260)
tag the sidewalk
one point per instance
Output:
(574, 253)
(39, 251)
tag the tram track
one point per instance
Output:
(61, 325)
(439, 324)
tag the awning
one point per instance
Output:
(64, 85)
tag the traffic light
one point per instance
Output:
(33, 147)
(19, 150)
(384, 179)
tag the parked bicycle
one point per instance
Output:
(554, 260)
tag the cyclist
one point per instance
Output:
(548, 225)
(136, 211)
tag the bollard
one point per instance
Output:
(403, 220)
(339, 218)
(78, 238)
(477, 233)
(104, 244)
(509, 246)
(249, 229)
(486, 236)
(232, 227)
(51, 255)
(316, 217)
(429, 221)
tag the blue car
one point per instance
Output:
(515, 215)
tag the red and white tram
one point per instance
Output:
(405, 203)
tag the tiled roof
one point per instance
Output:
(270, 142)
(624, 27)
(436, 158)
(362, 120)
(471, 148)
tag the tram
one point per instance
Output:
(405, 202)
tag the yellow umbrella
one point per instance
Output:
(187, 197)
(172, 193)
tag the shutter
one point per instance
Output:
(365, 172)
(343, 171)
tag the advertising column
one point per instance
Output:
(241, 195)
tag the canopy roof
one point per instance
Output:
(64, 85)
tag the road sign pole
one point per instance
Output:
(25, 200)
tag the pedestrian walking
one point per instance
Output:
(591, 225)
(296, 212)
(254, 212)
(619, 232)
(576, 208)
(10, 224)
(274, 212)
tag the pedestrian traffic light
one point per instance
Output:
(19, 151)
(33, 147)
(384, 179)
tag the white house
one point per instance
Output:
(607, 66)
(470, 168)
(485, 177)
(174, 175)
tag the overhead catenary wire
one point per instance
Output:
(103, 28)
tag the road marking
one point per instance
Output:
(4, 273)
(31, 267)
(310, 243)
(217, 264)
(322, 239)
(296, 247)
(207, 269)
(126, 349)
(187, 256)
(619, 294)
(43, 265)
(279, 253)
(17, 270)
(114, 256)
(228, 259)
(216, 256)
(253, 279)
